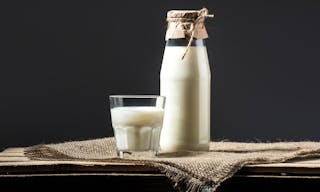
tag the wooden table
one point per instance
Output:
(17, 173)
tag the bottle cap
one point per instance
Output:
(187, 24)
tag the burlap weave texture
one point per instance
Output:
(189, 171)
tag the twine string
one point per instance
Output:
(203, 13)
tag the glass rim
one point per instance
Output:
(137, 96)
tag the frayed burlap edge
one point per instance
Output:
(182, 181)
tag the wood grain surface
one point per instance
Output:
(18, 173)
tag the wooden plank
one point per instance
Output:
(149, 175)
(308, 161)
(41, 166)
(86, 174)
(11, 155)
(283, 170)
(267, 183)
(72, 166)
(297, 165)
(87, 182)
(14, 150)
(153, 182)
(279, 176)
(13, 159)
(84, 163)
(84, 166)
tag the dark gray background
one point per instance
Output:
(60, 60)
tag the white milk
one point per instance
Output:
(137, 128)
(186, 85)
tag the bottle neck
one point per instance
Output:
(184, 42)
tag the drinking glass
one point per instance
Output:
(137, 123)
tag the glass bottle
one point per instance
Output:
(185, 81)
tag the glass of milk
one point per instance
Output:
(137, 123)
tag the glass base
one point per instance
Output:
(137, 154)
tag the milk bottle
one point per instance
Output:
(185, 79)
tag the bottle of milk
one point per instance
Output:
(185, 81)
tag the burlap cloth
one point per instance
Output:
(189, 171)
